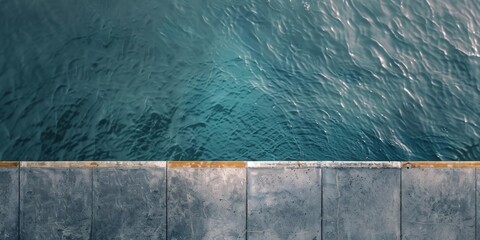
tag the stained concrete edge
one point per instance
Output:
(93, 164)
(243, 164)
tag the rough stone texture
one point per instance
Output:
(361, 203)
(55, 203)
(284, 203)
(206, 203)
(129, 203)
(9, 203)
(438, 204)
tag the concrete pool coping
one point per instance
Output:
(249, 199)
(241, 164)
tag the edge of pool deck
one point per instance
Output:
(249, 199)
(241, 164)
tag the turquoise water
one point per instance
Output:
(239, 80)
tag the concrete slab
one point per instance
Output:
(206, 203)
(129, 203)
(284, 203)
(361, 203)
(55, 203)
(9, 203)
(438, 204)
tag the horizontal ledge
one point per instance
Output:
(207, 164)
(94, 164)
(440, 164)
(59, 164)
(324, 164)
(241, 164)
(6, 164)
(360, 164)
(132, 164)
(283, 164)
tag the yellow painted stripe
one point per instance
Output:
(441, 164)
(207, 164)
(5, 164)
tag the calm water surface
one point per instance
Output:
(239, 80)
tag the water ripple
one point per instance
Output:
(240, 80)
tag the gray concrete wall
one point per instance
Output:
(263, 201)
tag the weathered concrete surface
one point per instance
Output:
(209, 201)
(9, 203)
(284, 203)
(477, 200)
(55, 203)
(438, 204)
(361, 203)
(206, 203)
(129, 203)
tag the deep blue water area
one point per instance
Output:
(239, 80)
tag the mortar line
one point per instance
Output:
(166, 201)
(19, 221)
(321, 201)
(246, 203)
(92, 205)
(401, 202)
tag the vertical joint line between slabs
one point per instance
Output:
(401, 202)
(246, 203)
(321, 201)
(92, 204)
(19, 221)
(166, 200)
